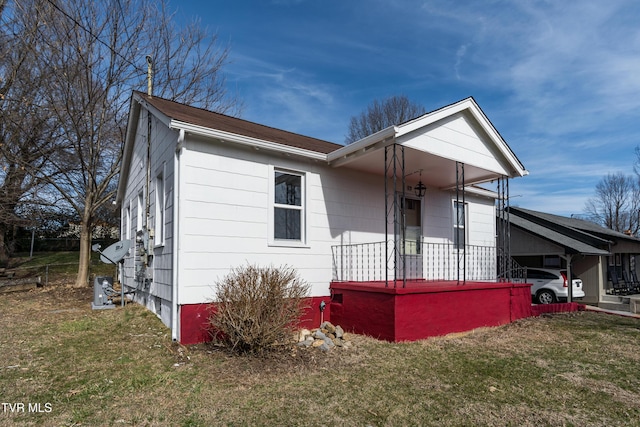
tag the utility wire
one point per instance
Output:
(75, 21)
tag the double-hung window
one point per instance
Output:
(288, 206)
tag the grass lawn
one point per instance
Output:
(119, 367)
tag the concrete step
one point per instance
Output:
(616, 299)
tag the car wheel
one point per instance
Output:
(546, 297)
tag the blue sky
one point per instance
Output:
(560, 80)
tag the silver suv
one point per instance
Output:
(549, 286)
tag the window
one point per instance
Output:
(551, 261)
(140, 212)
(126, 223)
(160, 205)
(288, 206)
(541, 275)
(459, 225)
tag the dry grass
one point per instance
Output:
(119, 367)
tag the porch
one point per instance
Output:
(425, 289)
(424, 309)
(439, 265)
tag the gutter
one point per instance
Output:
(246, 140)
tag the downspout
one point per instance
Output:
(175, 335)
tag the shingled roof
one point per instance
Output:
(209, 119)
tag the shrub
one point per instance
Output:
(257, 309)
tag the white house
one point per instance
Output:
(201, 193)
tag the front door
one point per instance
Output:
(410, 251)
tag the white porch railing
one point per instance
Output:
(364, 262)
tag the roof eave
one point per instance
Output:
(362, 145)
(132, 124)
(245, 140)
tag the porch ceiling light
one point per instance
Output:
(420, 189)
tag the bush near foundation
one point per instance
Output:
(258, 309)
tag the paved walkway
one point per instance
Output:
(616, 312)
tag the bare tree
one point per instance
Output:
(382, 114)
(95, 57)
(616, 203)
(28, 133)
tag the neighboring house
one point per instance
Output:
(201, 193)
(101, 230)
(550, 241)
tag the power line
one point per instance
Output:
(75, 21)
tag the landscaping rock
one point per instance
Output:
(303, 334)
(328, 327)
(308, 342)
(325, 338)
(319, 335)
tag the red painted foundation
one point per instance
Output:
(194, 319)
(557, 308)
(420, 310)
(424, 309)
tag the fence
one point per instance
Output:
(378, 261)
(23, 244)
(50, 273)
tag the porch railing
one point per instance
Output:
(363, 262)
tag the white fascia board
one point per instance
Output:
(129, 142)
(499, 142)
(362, 144)
(246, 140)
(164, 119)
(433, 117)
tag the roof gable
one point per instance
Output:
(462, 131)
(575, 235)
(571, 244)
(436, 142)
(581, 225)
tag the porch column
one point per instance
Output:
(461, 257)
(394, 213)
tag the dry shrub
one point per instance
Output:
(257, 309)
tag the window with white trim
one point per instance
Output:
(160, 208)
(140, 212)
(288, 206)
(459, 225)
(126, 226)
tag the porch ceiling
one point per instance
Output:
(434, 171)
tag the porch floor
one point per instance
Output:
(423, 309)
